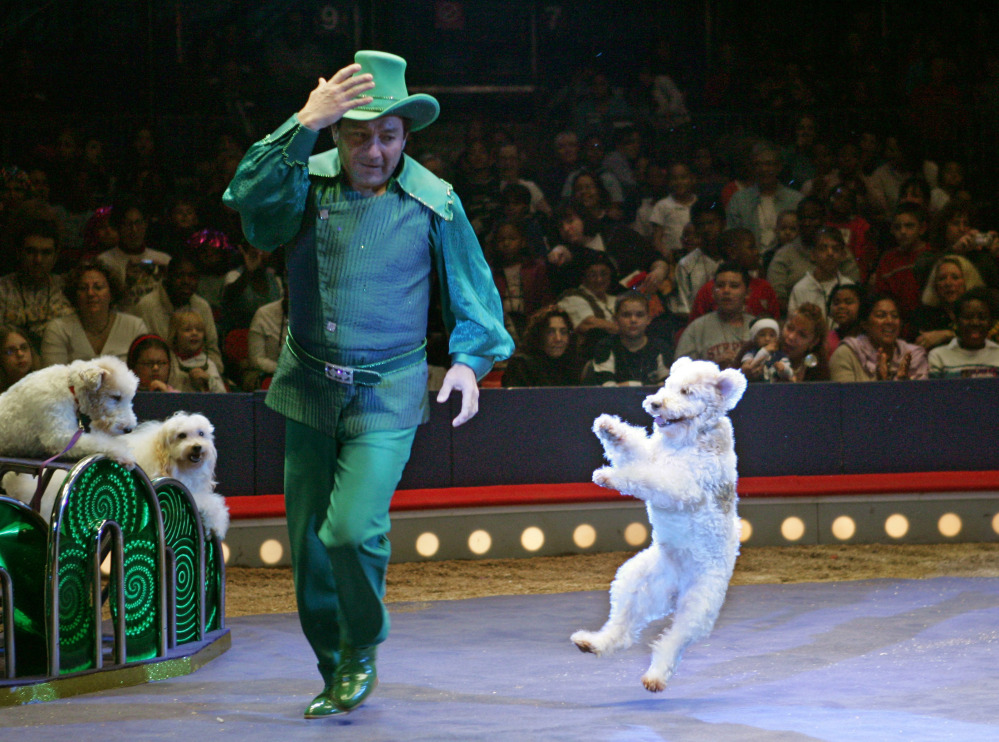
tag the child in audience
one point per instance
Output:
(817, 285)
(970, 353)
(522, 279)
(762, 359)
(787, 232)
(196, 371)
(856, 229)
(895, 273)
(739, 246)
(150, 359)
(630, 358)
(17, 358)
(671, 214)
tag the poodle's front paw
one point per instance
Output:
(604, 476)
(608, 428)
(654, 681)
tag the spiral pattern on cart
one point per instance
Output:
(77, 629)
(103, 491)
(180, 530)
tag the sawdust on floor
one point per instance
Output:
(270, 590)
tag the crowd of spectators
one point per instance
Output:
(619, 236)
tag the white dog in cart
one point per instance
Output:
(685, 471)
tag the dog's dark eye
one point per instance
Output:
(685, 390)
(116, 397)
(182, 436)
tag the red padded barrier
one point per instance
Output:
(272, 506)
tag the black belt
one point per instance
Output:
(369, 374)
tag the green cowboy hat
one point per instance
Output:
(390, 95)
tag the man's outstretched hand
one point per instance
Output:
(462, 378)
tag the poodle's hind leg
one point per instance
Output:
(643, 590)
(696, 612)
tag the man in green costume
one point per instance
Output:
(363, 225)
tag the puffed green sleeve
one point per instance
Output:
(271, 185)
(473, 312)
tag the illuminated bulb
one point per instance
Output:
(271, 551)
(532, 539)
(584, 536)
(479, 542)
(635, 534)
(225, 552)
(745, 530)
(792, 528)
(897, 525)
(844, 527)
(427, 544)
(949, 525)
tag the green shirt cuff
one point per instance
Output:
(479, 365)
(303, 140)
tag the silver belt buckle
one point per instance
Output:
(342, 374)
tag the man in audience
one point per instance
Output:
(31, 296)
(757, 206)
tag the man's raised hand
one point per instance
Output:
(332, 98)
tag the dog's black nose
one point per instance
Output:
(195, 449)
(126, 430)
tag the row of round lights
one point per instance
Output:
(584, 536)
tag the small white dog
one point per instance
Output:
(40, 414)
(183, 447)
(685, 472)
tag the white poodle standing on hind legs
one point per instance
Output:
(685, 471)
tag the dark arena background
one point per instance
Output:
(820, 463)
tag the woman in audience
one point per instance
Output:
(17, 359)
(547, 356)
(590, 306)
(801, 349)
(970, 353)
(933, 321)
(150, 359)
(94, 328)
(878, 353)
(952, 233)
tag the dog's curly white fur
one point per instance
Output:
(685, 471)
(183, 447)
(40, 414)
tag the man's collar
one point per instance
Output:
(411, 178)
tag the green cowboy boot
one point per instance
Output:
(355, 677)
(323, 705)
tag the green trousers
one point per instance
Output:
(337, 495)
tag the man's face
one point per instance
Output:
(810, 218)
(38, 257)
(567, 148)
(181, 282)
(907, 230)
(370, 151)
(766, 166)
